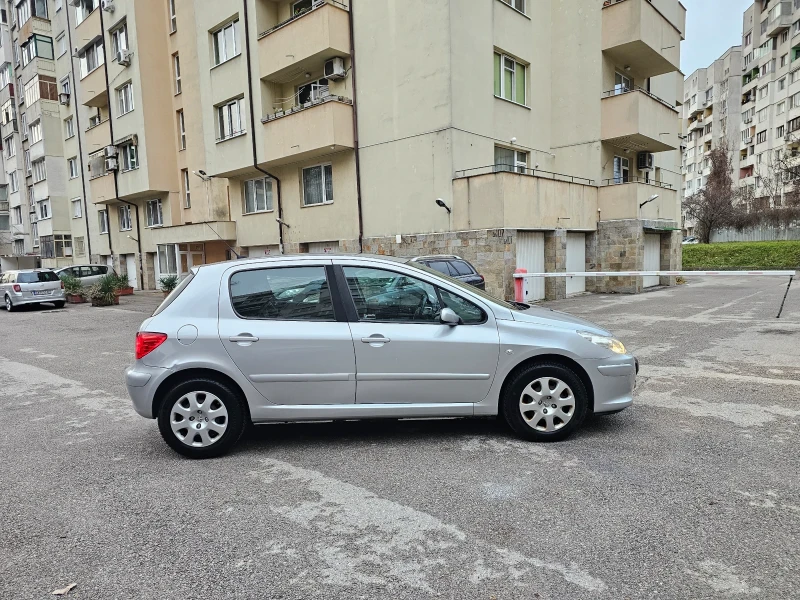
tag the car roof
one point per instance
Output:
(28, 270)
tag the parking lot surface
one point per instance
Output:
(691, 493)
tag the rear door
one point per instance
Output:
(287, 332)
(404, 353)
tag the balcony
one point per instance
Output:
(304, 42)
(194, 233)
(636, 35)
(98, 137)
(89, 28)
(640, 121)
(102, 189)
(309, 131)
(93, 90)
(780, 19)
(623, 200)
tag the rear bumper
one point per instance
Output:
(19, 300)
(614, 380)
(142, 383)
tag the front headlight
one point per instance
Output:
(606, 342)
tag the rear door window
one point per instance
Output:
(443, 267)
(85, 272)
(461, 267)
(282, 293)
(98, 270)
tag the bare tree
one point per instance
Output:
(777, 199)
(715, 206)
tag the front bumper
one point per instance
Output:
(614, 380)
(142, 382)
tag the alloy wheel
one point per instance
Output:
(547, 404)
(198, 419)
(9, 306)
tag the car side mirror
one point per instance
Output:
(449, 317)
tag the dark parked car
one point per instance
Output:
(454, 266)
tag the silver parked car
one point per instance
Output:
(87, 274)
(306, 337)
(31, 286)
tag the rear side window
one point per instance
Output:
(462, 268)
(443, 267)
(98, 270)
(175, 293)
(283, 293)
(37, 277)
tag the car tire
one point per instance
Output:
(59, 304)
(202, 402)
(545, 402)
(9, 306)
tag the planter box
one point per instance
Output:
(128, 291)
(76, 299)
(99, 303)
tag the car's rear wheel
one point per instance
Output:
(545, 402)
(9, 305)
(59, 304)
(202, 418)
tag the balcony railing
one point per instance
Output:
(519, 170)
(618, 91)
(314, 6)
(301, 107)
(634, 179)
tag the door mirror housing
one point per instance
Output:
(449, 317)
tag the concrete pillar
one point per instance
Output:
(555, 261)
(591, 260)
(671, 255)
(620, 247)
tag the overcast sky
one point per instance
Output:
(712, 26)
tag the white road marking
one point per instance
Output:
(673, 374)
(722, 578)
(377, 541)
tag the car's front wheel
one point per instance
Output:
(202, 418)
(545, 402)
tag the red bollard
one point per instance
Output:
(519, 294)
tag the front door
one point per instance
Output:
(405, 354)
(279, 326)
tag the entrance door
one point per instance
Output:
(530, 256)
(576, 262)
(652, 258)
(405, 354)
(279, 327)
(130, 268)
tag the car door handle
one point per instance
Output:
(243, 338)
(376, 339)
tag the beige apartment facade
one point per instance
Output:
(550, 132)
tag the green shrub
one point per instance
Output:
(168, 283)
(732, 256)
(72, 285)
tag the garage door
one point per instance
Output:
(323, 247)
(530, 256)
(652, 258)
(576, 262)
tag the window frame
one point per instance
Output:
(76, 214)
(325, 201)
(176, 74)
(69, 126)
(187, 194)
(130, 153)
(124, 217)
(181, 131)
(173, 17)
(150, 213)
(103, 221)
(73, 162)
(41, 173)
(500, 94)
(125, 99)
(216, 54)
(225, 115)
(268, 198)
(511, 4)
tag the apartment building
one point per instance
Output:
(712, 111)
(543, 136)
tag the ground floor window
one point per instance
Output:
(167, 260)
(318, 185)
(508, 160)
(80, 247)
(257, 195)
(19, 247)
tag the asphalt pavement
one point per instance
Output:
(692, 493)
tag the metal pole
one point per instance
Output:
(784, 298)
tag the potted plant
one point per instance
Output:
(73, 290)
(104, 292)
(168, 283)
(123, 285)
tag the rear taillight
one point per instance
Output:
(146, 342)
(17, 288)
(482, 278)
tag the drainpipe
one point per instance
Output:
(253, 125)
(355, 130)
(79, 134)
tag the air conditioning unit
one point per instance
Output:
(108, 5)
(111, 151)
(124, 57)
(64, 99)
(748, 120)
(645, 161)
(111, 164)
(334, 69)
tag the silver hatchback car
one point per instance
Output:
(31, 286)
(306, 337)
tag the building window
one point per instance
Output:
(763, 114)
(226, 43)
(11, 148)
(125, 217)
(508, 160)
(782, 84)
(173, 21)
(187, 193)
(781, 108)
(761, 137)
(40, 86)
(72, 165)
(229, 119)
(763, 92)
(748, 39)
(9, 111)
(509, 79)
(779, 132)
(155, 218)
(16, 215)
(63, 245)
(92, 58)
(258, 195)
(84, 9)
(44, 209)
(794, 101)
(516, 4)
(39, 170)
(102, 221)
(318, 185)
(129, 157)
(181, 131)
(69, 127)
(35, 132)
(622, 84)
(19, 247)
(37, 45)
(77, 208)
(125, 99)
(66, 87)
(61, 45)
(119, 39)
(784, 60)
(176, 73)
(313, 91)
(622, 169)
(35, 234)
(13, 182)
(785, 37)
(6, 76)
(80, 246)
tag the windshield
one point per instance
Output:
(37, 277)
(469, 288)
